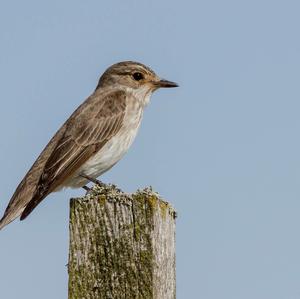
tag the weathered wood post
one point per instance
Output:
(121, 246)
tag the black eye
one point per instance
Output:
(138, 76)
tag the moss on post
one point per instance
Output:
(121, 246)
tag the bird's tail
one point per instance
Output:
(8, 217)
(17, 204)
(4, 221)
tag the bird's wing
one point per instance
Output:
(86, 132)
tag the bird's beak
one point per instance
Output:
(165, 83)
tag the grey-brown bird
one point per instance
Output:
(92, 140)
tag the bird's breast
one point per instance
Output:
(116, 147)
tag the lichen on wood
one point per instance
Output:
(122, 246)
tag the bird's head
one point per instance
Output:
(134, 77)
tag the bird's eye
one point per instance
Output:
(138, 76)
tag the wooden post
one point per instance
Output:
(121, 246)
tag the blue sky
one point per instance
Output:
(223, 148)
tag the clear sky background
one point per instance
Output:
(223, 148)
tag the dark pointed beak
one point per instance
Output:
(165, 84)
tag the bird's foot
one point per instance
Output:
(87, 189)
(93, 180)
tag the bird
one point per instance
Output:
(92, 140)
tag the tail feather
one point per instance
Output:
(18, 202)
(9, 217)
(28, 186)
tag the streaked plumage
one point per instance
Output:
(92, 140)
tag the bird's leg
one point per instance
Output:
(95, 181)
(88, 189)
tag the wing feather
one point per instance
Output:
(87, 130)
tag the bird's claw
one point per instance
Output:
(93, 180)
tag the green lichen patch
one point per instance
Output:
(112, 243)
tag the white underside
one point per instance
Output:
(105, 159)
